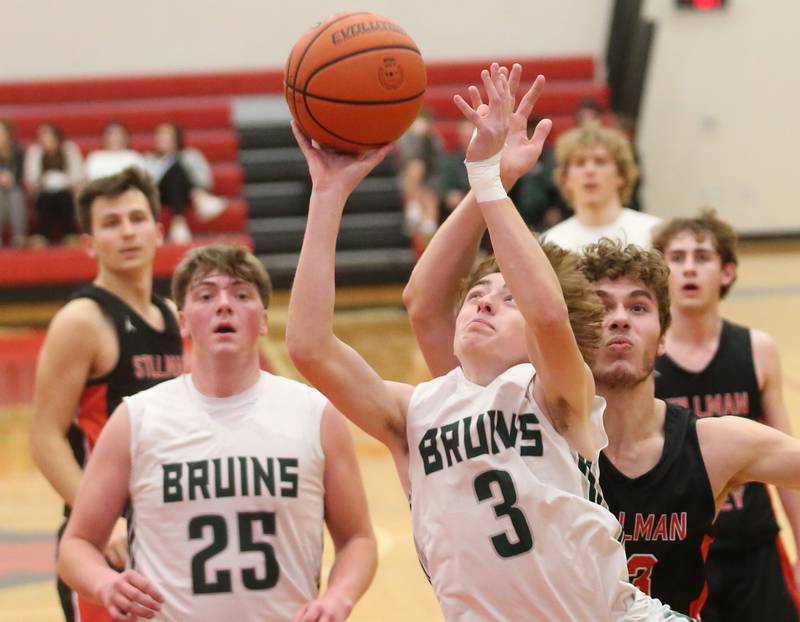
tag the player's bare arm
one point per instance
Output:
(80, 344)
(737, 450)
(770, 381)
(347, 518)
(565, 387)
(100, 500)
(433, 289)
(71, 353)
(332, 366)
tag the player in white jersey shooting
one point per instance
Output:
(495, 456)
(230, 473)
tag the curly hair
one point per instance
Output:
(723, 237)
(584, 307)
(609, 259)
(618, 145)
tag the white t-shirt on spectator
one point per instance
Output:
(103, 162)
(631, 227)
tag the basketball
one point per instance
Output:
(355, 82)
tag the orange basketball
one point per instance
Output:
(355, 82)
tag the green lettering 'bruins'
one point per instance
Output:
(230, 476)
(469, 438)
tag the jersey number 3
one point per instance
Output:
(483, 490)
(247, 543)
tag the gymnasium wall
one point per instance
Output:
(719, 124)
(43, 38)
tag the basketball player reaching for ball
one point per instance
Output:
(503, 505)
(663, 474)
(230, 473)
(720, 368)
(115, 337)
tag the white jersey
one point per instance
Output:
(631, 227)
(227, 497)
(508, 520)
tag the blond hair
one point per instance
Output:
(584, 307)
(591, 135)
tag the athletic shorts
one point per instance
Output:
(751, 586)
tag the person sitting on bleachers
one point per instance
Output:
(184, 178)
(53, 169)
(420, 150)
(114, 156)
(12, 199)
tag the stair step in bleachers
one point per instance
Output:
(284, 235)
(353, 267)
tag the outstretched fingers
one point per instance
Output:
(530, 98)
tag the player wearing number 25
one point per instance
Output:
(497, 458)
(230, 473)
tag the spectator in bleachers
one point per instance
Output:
(115, 155)
(589, 112)
(13, 211)
(453, 182)
(184, 178)
(420, 151)
(53, 169)
(595, 173)
(536, 195)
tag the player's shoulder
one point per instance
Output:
(640, 217)
(280, 387)
(79, 321)
(556, 233)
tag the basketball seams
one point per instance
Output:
(338, 59)
(356, 102)
(308, 108)
(302, 56)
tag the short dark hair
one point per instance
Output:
(112, 186)
(723, 237)
(229, 259)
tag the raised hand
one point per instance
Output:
(336, 171)
(492, 122)
(521, 152)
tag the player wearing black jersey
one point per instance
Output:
(114, 338)
(665, 521)
(719, 368)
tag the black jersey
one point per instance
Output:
(727, 386)
(146, 357)
(666, 516)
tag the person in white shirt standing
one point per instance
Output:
(596, 174)
(230, 473)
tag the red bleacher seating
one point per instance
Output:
(467, 72)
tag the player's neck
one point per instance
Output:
(629, 414)
(694, 327)
(599, 214)
(223, 376)
(136, 289)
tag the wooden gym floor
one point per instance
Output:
(766, 296)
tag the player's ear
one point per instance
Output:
(662, 345)
(87, 244)
(183, 325)
(160, 234)
(728, 274)
(264, 328)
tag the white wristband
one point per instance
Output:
(484, 178)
